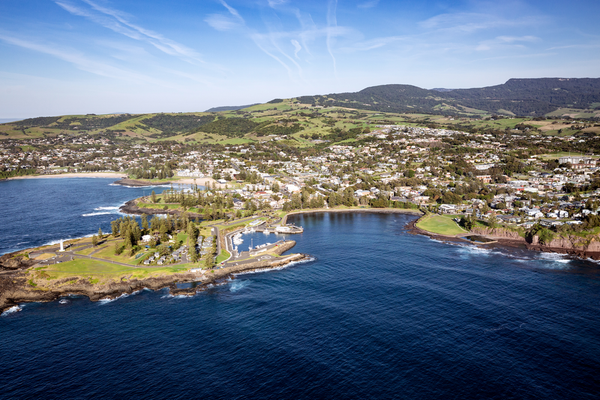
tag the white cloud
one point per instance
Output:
(506, 41)
(117, 21)
(221, 22)
(297, 47)
(79, 60)
(232, 11)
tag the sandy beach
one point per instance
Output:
(115, 175)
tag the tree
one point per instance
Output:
(118, 248)
(467, 222)
(115, 228)
(100, 233)
(153, 197)
(193, 253)
(94, 240)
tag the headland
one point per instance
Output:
(584, 247)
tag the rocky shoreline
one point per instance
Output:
(506, 238)
(15, 289)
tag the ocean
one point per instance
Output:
(377, 313)
(34, 212)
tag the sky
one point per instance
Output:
(61, 57)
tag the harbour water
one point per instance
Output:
(377, 313)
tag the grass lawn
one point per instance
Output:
(223, 256)
(551, 156)
(87, 252)
(440, 224)
(99, 271)
(108, 253)
(44, 256)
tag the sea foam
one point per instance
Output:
(11, 310)
(96, 213)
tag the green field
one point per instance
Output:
(102, 271)
(440, 224)
(551, 156)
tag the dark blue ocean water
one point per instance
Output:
(379, 313)
(34, 212)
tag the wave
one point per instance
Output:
(53, 242)
(179, 296)
(106, 208)
(436, 240)
(238, 285)
(557, 257)
(11, 310)
(109, 300)
(475, 250)
(96, 213)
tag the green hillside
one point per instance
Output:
(313, 120)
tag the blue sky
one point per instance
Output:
(99, 56)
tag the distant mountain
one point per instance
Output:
(526, 97)
(229, 108)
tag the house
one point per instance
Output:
(448, 209)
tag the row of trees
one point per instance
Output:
(162, 172)
(17, 172)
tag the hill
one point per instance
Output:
(230, 108)
(344, 117)
(522, 97)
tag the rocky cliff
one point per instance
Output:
(585, 247)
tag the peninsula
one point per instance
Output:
(162, 253)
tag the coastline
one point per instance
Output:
(505, 241)
(72, 175)
(15, 288)
(16, 282)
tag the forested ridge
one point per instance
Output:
(518, 96)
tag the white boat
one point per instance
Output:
(237, 239)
